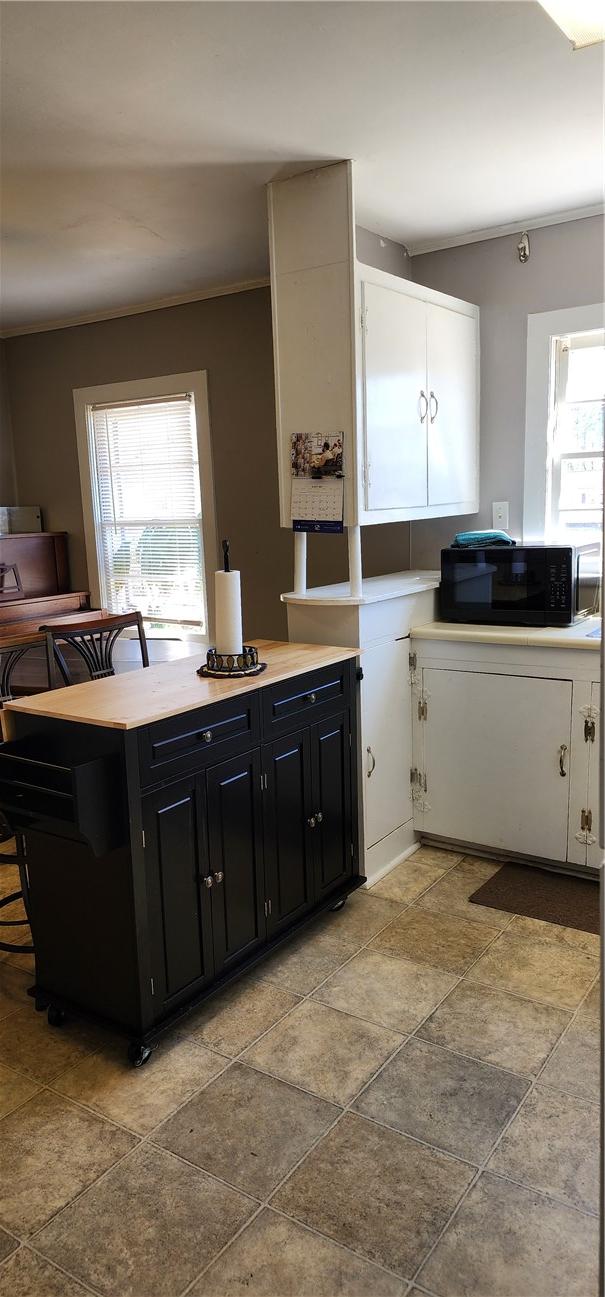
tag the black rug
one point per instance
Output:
(540, 894)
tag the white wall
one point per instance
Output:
(565, 269)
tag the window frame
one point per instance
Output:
(144, 389)
(543, 329)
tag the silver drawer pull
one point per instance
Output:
(311, 698)
(562, 760)
(208, 880)
(218, 876)
(207, 736)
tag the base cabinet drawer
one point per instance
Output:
(304, 699)
(196, 739)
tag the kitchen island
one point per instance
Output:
(178, 828)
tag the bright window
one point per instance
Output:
(575, 476)
(147, 494)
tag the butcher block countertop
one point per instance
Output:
(136, 698)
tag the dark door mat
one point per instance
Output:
(540, 894)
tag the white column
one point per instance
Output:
(354, 539)
(300, 562)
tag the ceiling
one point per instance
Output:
(137, 137)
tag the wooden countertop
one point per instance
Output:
(137, 698)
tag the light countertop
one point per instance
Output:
(136, 698)
(577, 636)
(374, 589)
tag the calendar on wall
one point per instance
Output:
(317, 499)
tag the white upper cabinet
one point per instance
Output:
(387, 364)
(395, 399)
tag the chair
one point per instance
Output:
(94, 641)
(11, 653)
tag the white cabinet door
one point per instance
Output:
(496, 758)
(594, 852)
(396, 414)
(386, 731)
(452, 422)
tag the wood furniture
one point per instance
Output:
(41, 561)
(387, 364)
(93, 639)
(178, 828)
(379, 621)
(506, 740)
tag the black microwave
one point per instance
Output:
(518, 585)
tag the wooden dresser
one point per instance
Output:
(41, 559)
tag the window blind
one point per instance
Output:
(147, 501)
(578, 413)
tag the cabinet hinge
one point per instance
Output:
(423, 709)
(590, 730)
(152, 984)
(267, 908)
(352, 851)
(418, 780)
(586, 821)
(143, 838)
(263, 783)
(363, 319)
(350, 739)
(413, 661)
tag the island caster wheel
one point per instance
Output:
(339, 905)
(40, 1003)
(56, 1017)
(138, 1054)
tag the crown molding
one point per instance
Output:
(419, 248)
(118, 313)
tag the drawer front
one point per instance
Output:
(305, 697)
(194, 740)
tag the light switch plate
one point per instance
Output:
(500, 515)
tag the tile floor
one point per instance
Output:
(404, 1101)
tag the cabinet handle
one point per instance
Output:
(208, 880)
(218, 876)
(311, 698)
(373, 760)
(206, 735)
(423, 397)
(432, 397)
(562, 760)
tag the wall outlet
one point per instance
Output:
(500, 515)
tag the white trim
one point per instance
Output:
(498, 231)
(118, 312)
(195, 382)
(541, 329)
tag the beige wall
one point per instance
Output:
(230, 337)
(565, 269)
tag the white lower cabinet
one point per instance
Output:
(386, 739)
(495, 760)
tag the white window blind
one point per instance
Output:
(576, 441)
(147, 507)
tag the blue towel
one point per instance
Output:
(481, 539)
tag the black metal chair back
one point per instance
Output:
(11, 653)
(94, 641)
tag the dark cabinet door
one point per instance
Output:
(235, 858)
(179, 914)
(332, 803)
(288, 836)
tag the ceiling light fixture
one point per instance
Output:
(582, 21)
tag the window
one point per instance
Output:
(575, 472)
(147, 492)
(565, 410)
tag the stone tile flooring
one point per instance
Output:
(402, 1102)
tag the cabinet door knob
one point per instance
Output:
(311, 822)
(373, 760)
(423, 414)
(318, 817)
(311, 698)
(562, 760)
(208, 880)
(207, 736)
(434, 412)
(218, 876)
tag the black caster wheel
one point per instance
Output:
(339, 905)
(40, 1003)
(56, 1017)
(138, 1054)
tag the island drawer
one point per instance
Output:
(311, 696)
(71, 794)
(195, 739)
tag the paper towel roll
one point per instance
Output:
(228, 613)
